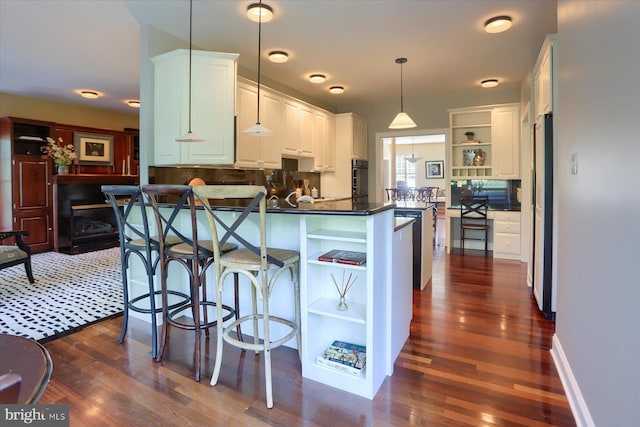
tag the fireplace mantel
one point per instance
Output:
(95, 179)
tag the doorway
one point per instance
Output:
(404, 157)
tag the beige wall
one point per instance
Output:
(70, 114)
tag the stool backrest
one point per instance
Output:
(130, 209)
(255, 196)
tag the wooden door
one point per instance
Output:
(32, 206)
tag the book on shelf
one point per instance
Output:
(344, 357)
(344, 257)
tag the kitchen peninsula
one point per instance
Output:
(373, 301)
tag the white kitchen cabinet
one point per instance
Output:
(542, 77)
(351, 130)
(324, 143)
(213, 83)
(506, 235)
(367, 320)
(261, 152)
(298, 129)
(496, 135)
(505, 134)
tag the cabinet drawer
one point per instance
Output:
(507, 216)
(506, 227)
(506, 243)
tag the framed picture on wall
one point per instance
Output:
(435, 169)
(93, 148)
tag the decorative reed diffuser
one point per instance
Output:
(343, 288)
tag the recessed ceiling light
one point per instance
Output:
(336, 89)
(317, 78)
(90, 94)
(489, 83)
(278, 56)
(133, 103)
(497, 24)
(256, 9)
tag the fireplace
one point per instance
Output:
(83, 220)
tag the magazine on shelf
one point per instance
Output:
(345, 357)
(344, 257)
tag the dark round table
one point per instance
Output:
(31, 361)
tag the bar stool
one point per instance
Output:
(194, 255)
(254, 261)
(135, 239)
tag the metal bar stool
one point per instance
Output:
(135, 239)
(255, 262)
(194, 255)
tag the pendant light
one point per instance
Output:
(402, 120)
(190, 136)
(258, 129)
(413, 157)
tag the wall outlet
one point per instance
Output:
(574, 163)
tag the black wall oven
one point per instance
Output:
(359, 178)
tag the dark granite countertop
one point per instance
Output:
(320, 207)
(412, 205)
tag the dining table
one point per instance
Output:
(31, 361)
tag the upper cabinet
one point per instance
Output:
(543, 74)
(259, 152)
(213, 83)
(351, 130)
(324, 142)
(485, 142)
(298, 129)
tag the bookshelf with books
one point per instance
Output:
(363, 244)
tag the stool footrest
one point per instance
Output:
(184, 298)
(171, 318)
(259, 347)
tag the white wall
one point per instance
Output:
(598, 117)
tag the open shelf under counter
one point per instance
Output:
(338, 235)
(357, 313)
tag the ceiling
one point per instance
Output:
(52, 49)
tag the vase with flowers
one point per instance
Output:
(62, 155)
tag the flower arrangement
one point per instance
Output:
(62, 155)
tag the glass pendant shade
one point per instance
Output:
(190, 137)
(412, 159)
(402, 121)
(257, 130)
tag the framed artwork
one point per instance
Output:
(435, 169)
(93, 148)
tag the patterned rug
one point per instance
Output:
(70, 293)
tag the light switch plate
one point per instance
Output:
(574, 163)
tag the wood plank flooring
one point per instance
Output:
(478, 355)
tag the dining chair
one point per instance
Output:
(474, 224)
(20, 253)
(136, 240)
(175, 212)
(261, 265)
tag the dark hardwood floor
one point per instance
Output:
(478, 355)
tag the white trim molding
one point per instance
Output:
(572, 390)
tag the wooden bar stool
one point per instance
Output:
(194, 255)
(255, 261)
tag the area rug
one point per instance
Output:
(70, 292)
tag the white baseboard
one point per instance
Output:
(574, 395)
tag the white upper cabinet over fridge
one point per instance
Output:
(213, 83)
